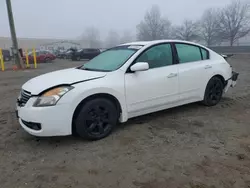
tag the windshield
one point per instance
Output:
(111, 59)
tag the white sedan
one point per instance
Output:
(125, 81)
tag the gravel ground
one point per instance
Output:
(186, 147)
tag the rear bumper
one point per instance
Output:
(234, 76)
(231, 82)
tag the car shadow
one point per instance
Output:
(53, 141)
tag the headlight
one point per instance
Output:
(51, 97)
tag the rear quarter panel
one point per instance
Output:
(51, 56)
(40, 58)
(219, 67)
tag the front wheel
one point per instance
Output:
(213, 92)
(96, 119)
(47, 60)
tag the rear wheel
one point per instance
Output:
(47, 60)
(96, 119)
(213, 92)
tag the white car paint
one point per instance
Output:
(67, 76)
(138, 93)
(140, 97)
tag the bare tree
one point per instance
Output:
(91, 37)
(235, 21)
(126, 37)
(112, 39)
(153, 26)
(187, 31)
(209, 26)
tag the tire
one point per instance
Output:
(47, 60)
(96, 119)
(213, 92)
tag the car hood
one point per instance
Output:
(67, 76)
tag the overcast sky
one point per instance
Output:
(69, 18)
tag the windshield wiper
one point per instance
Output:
(85, 68)
(97, 70)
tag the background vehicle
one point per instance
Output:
(61, 54)
(87, 53)
(6, 55)
(103, 49)
(67, 54)
(41, 56)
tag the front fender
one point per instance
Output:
(79, 96)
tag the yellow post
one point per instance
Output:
(1, 59)
(27, 58)
(34, 54)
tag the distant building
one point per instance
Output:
(45, 44)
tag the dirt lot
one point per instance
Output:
(187, 147)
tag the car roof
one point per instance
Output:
(145, 43)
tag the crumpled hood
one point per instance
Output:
(67, 76)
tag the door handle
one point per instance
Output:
(171, 75)
(208, 67)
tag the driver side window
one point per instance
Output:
(157, 56)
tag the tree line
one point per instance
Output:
(216, 25)
(91, 38)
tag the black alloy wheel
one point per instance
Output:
(214, 92)
(96, 119)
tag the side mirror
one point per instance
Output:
(140, 66)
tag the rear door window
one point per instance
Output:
(188, 53)
(204, 53)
